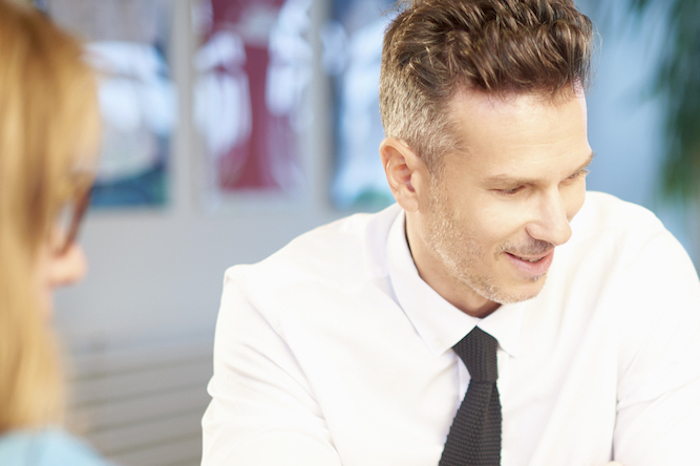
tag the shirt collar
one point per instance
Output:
(440, 324)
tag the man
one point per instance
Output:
(348, 345)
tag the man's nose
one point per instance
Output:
(550, 221)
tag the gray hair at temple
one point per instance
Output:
(434, 48)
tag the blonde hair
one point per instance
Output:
(436, 47)
(48, 127)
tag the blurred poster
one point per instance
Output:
(253, 71)
(352, 50)
(128, 41)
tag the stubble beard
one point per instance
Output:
(456, 246)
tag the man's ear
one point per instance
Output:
(405, 172)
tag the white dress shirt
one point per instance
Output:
(333, 351)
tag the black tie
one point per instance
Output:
(475, 435)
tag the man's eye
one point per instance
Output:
(512, 190)
(579, 174)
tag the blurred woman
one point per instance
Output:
(48, 138)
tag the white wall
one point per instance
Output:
(156, 274)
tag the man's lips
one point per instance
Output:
(533, 266)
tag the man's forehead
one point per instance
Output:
(493, 101)
(512, 174)
(503, 134)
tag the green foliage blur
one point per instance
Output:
(677, 82)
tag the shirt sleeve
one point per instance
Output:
(263, 411)
(658, 418)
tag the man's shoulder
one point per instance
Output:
(605, 216)
(345, 251)
(616, 235)
(603, 211)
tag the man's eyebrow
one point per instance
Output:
(512, 180)
(585, 164)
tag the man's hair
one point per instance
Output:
(436, 47)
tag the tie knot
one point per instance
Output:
(478, 351)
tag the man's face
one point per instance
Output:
(497, 211)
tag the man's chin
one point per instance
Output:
(520, 292)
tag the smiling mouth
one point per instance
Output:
(532, 267)
(531, 260)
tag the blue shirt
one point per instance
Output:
(49, 447)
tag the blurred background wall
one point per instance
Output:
(142, 322)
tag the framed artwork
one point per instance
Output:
(254, 67)
(352, 43)
(128, 41)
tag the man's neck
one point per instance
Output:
(453, 291)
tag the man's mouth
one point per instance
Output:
(532, 266)
(528, 259)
